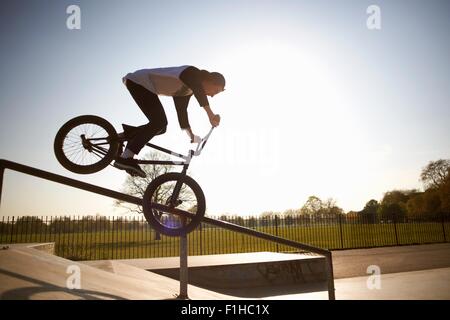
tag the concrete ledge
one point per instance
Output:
(48, 247)
(253, 274)
(234, 271)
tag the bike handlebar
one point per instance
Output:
(202, 142)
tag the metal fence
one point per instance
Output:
(94, 238)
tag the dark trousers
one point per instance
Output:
(153, 110)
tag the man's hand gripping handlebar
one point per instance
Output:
(202, 142)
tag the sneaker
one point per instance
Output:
(130, 166)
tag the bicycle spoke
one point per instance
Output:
(73, 139)
(100, 149)
(95, 133)
(73, 152)
(77, 156)
(101, 144)
(94, 156)
(100, 155)
(77, 152)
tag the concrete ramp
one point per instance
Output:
(29, 273)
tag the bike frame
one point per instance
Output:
(185, 162)
(186, 159)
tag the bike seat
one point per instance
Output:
(129, 131)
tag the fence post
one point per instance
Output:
(443, 227)
(340, 230)
(2, 172)
(395, 228)
(2, 229)
(276, 231)
(12, 230)
(201, 238)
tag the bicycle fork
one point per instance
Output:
(176, 191)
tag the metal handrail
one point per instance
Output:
(5, 164)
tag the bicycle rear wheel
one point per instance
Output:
(190, 200)
(86, 144)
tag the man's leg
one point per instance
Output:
(150, 105)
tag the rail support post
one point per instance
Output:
(330, 276)
(183, 268)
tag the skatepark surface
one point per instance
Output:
(29, 271)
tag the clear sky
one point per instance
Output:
(316, 103)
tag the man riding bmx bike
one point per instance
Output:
(178, 82)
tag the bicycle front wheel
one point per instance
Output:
(86, 144)
(190, 200)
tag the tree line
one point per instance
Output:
(36, 225)
(397, 205)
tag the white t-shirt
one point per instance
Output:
(161, 81)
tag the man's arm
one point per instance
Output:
(214, 119)
(209, 112)
(191, 76)
(181, 104)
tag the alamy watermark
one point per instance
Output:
(74, 280)
(374, 280)
(256, 149)
(373, 21)
(73, 21)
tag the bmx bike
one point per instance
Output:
(173, 203)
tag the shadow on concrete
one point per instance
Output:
(25, 293)
(252, 292)
(240, 289)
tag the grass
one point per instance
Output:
(140, 243)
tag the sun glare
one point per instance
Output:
(295, 93)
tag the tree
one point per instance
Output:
(312, 206)
(29, 224)
(415, 206)
(397, 196)
(392, 212)
(316, 209)
(432, 203)
(393, 204)
(289, 216)
(224, 217)
(352, 217)
(291, 212)
(60, 224)
(435, 173)
(270, 214)
(330, 209)
(369, 213)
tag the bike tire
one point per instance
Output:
(151, 214)
(104, 159)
